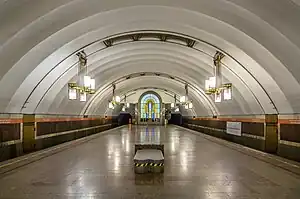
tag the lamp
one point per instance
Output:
(92, 84)
(182, 99)
(212, 82)
(87, 81)
(218, 97)
(186, 106)
(227, 94)
(207, 84)
(86, 85)
(118, 99)
(72, 91)
(82, 96)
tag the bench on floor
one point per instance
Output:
(149, 158)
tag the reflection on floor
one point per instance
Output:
(194, 168)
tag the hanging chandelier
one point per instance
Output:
(86, 84)
(116, 100)
(183, 101)
(214, 86)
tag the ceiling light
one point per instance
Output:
(87, 81)
(72, 93)
(227, 94)
(118, 99)
(218, 97)
(182, 99)
(83, 97)
(92, 84)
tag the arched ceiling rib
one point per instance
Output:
(234, 26)
(134, 92)
(205, 57)
(151, 64)
(204, 63)
(103, 97)
(134, 83)
(207, 102)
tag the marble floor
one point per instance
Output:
(194, 168)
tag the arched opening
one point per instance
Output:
(150, 108)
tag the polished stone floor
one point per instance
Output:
(194, 168)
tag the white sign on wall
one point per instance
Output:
(234, 128)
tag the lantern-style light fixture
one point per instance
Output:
(218, 97)
(72, 91)
(83, 96)
(87, 81)
(92, 84)
(214, 84)
(118, 99)
(186, 106)
(110, 105)
(86, 84)
(227, 92)
(182, 99)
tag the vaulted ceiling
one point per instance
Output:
(176, 39)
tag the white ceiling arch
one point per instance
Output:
(193, 63)
(133, 95)
(175, 86)
(276, 54)
(146, 65)
(100, 102)
(201, 108)
(153, 63)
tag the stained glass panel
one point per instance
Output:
(150, 107)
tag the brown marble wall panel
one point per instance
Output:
(208, 123)
(253, 128)
(44, 128)
(9, 132)
(290, 132)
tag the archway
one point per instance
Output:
(150, 108)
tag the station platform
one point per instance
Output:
(196, 166)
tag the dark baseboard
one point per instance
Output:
(289, 152)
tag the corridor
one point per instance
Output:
(195, 167)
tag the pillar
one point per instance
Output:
(271, 133)
(28, 133)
